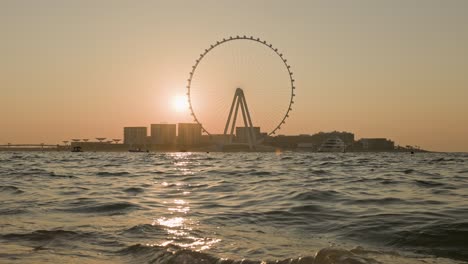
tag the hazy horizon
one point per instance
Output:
(85, 69)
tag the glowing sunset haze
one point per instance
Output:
(83, 69)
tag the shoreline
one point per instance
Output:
(198, 150)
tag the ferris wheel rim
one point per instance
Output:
(250, 38)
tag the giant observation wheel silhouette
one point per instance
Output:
(199, 96)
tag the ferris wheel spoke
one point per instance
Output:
(253, 65)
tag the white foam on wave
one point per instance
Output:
(330, 255)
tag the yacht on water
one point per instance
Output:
(334, 144)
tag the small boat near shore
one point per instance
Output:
(137, 150)
(76, 149)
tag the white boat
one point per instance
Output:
(334, 144)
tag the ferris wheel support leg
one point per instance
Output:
(249, 120)
(249, 136)
(230, 113)
(240, 101)
(235, 102)
(231, 135)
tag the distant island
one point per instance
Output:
(189, 137)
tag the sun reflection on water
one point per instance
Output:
(178, 229)
(182, 231)
(177, 201)
(180, 208)
(170, 222)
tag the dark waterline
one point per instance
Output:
(206, 207)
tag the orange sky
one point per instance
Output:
(394, 69)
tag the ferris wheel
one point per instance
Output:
(233, 71)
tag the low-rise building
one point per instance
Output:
(376, 144)
(189, 134)
(163, 134)
(135, 136)
(242, 134)
(316, 140)
(215, 139)
(97, 146)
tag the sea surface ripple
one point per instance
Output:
(364, 208)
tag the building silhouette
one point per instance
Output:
(135, 136)
(215, 139)
(242, 134)
(376, 144)
(189, 134)
(309, 142)
(97, 146)
(163, 134)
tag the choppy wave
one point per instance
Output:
(10, 190)
(118, 173)
(120, 207)
(234, 208)
(143, 229)
(12, 211)
(439, 239)
(43, 235)
(134, 190)
(331, 255)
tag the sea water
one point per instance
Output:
(60, 207)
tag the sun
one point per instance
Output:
(180, 103)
